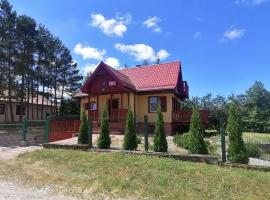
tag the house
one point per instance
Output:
(141, 88)
(36, 112)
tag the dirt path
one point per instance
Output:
(7, 153)
(15, 191)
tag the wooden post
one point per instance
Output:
(110, 117)
(223, 142)
(121, 100)
(88, 111)
(128, 99)
(97, 108)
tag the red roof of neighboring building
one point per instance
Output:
(154, 77)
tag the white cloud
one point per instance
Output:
(89, 68)
(198, 35)
(233, 34)
(142, 52)
(250, 2)
(162, 54)
(88, 52)
(152, 23)
(114, 26)
(113, 62)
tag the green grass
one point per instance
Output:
(257, 138)
(86, 174)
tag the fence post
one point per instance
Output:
(24, 132)
(47, 130)
(145, 130)
(223, 142)
(90, 132)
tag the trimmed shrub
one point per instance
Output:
(160, 141)
(84, 131)
(182, 140)
(130, 137)
(104, 140)
(253, 150)
(237, 152)
(197, 144)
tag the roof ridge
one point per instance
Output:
(150, 65)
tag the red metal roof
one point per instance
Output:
(154, 77)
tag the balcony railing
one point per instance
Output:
(115, 115)
(184, 116)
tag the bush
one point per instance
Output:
(182, 140)
(160, 141)
(104, 140)
(197, 144)
(130, 137)
(211, 148)
(253, 150)
(237, 152)
(84, 131)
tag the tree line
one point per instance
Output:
(34, 64)
(253, 106)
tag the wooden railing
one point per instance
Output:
(184, 116)
(117, 115)
(93, 114)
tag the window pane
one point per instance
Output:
(93, 106)
(153, 103)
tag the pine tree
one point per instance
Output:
(130, 138)
(197, 144)
(160, 142)
(237, 152)
(104, 140)
(84, 131)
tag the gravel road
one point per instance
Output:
(15, 191)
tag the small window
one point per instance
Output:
(153, 103)
(2, 109)
(115, 103)
(20, 110)
(91, 106)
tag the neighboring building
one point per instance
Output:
(141, 88)
(18, 111)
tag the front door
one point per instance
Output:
(113, 109)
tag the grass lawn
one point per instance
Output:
(257, 138)
(89, 174)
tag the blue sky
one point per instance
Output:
(223, 45)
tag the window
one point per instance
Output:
(91, 106)
(153, 103)
(2, 109)
(20, 110)
(115, 103)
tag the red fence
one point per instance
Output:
(63, 129)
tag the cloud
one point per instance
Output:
(233, 34)
(114, 26)
(113, 62)
(89, 68)
(198, 35)
(88, 52)
(142, 52)
(152, 23)
(250, 2)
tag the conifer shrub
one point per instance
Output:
(130, 137)
(160, 141)
(197, 144)
(237, 152)
(84, 131)
(104, 140)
